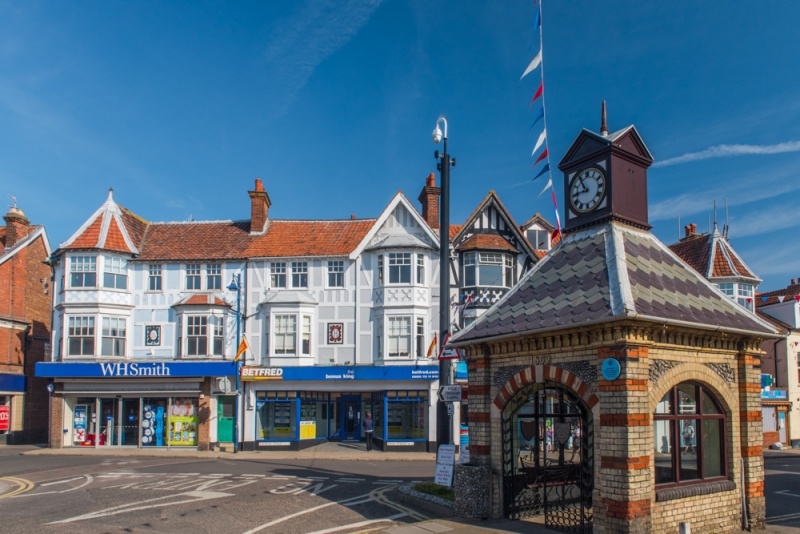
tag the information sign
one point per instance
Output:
(450, 393)
(445, 461)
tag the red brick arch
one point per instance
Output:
(537, 374)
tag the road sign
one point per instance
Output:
(451, 393)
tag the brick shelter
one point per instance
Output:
(615, 389)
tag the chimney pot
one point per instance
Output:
(429, 198)
(352, 216)
(259, 209)
(17, 226)
(793, 281)
(431, 181)
(259, 185)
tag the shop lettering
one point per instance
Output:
(350, 375)
(135, 369)
(262, 373)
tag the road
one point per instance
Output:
(184, 495)
(782, 489)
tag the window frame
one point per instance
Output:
(398, 333)
(399, 265)
(194, 276)
(284, 328)
(300, 274)
(154, 277)
(335, 273)
(214, 277)
(88, 270)
(115, 335)
(85, 333)
(475, 260)
(676, 420)
(197, 333)
(277, 275)
(115, 273)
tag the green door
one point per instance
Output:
(225, 419)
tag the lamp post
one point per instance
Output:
(443, 426)
(236, 285)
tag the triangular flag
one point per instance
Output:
(541, 157)
(797, 298)
(544, 170)
(780, 298)
(749, 300)
(548, 186)
(763, 299)
(241, 350)
(539, 92)
(537, 119)
(538, 21)
(541, 139)
(535, 63)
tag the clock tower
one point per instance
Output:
(605, 177)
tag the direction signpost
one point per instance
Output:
(450, 393)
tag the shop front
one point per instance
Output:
(134, 404)
(12, 395)
(299, 407)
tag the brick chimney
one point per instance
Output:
(259, 209)
(690, 229)
(429, 198)
(17, 226)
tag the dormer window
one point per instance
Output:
(539, 238)
(202, 332)
(739, 292)
(83, 271)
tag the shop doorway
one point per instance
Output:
(107, 421)
(225, 407)
(351, 417)
(129, 423)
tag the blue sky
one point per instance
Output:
(179, 106)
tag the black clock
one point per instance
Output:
(587, 190)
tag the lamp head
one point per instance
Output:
(234, 286)
(437, 134)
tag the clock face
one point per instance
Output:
(587, 189)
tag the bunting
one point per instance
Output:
(432, 347)
(243, 346)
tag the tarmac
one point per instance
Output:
(350, 452)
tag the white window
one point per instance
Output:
(277, 274)
(380, 269)
(540, 239)
(193, 276)
(488, 269)
(285, 334)
(113, 343)
(306, 335)
(399, 267)
(420, 269)
(421, 338)
(214, 276)
(115, 273)
(336, 273)
(154, 281)
(217, 335)
(80, 336)
(196, 335)
(299, 274)
(399, 337)
(83, 271)
(745, 296)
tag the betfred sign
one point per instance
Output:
(5, 417)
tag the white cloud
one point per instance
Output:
(299, 45)
(723, 151)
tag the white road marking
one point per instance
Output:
(303, 512)
(358, 525)
(194, 496)
(89, 480)
(387, 482)
(61, 481)
(350, 479)
(786, 492)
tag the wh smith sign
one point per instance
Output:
(134, 369)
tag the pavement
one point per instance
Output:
(354, 452)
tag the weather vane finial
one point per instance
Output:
(14, 200)
(604, 122)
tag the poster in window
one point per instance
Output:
(335, 333)
(152, 336)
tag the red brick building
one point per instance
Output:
(24, 329)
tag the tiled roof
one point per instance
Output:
(309, 238)
(135, 225)
(713, 257)
(454, 230)
(204, 299)
(486, 242)
(3, 235)
(181, 241)
(537, 218)
(777, 296)
(107, 229)
(609, 272)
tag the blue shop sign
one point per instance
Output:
(12, 383)
(775, 394)
(134, 369)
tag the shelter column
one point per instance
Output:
(751, 434)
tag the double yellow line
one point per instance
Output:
(22, 484)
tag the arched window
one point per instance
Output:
(689, 436)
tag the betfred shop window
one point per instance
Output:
(689, 436)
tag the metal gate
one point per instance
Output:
(547, 458)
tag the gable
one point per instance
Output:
(584, 146)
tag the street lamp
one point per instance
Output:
(236, 285)
(443, 426)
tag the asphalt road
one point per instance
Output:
(101, 494)
(782, 489)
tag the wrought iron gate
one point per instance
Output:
(547, 458)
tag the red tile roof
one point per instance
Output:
(114, 239)
(204, 299)
(90, 236)
(694, 250)
(213, 240)
(135, 226)
(789, 292)
(309, 238)
(3, 235)
(699, 250)
(486, 242)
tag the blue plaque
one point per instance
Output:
(610, 369)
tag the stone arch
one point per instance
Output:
(725, 392)
(541, 373)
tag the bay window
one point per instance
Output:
(285, 334)
(399, 267)
(115, 273)
(113, 338)
(80, 336)
(83, 271)
(399, 337)
(488, 269)
(196, 335)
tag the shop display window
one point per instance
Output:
(275, 418)
(313, 416)
(183, 422)
(154, 423)
(406, 415)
